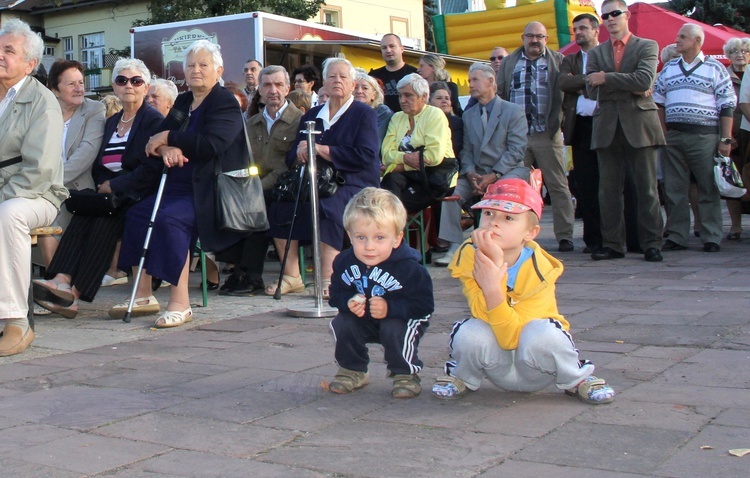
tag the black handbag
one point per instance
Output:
(90, 203)
(435, 179)
(285, 189)
(240, 205)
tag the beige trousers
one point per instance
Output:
(17, 217)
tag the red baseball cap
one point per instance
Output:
(513, 196)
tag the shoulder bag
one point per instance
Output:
(435, 179)
(90, 203)
(240, 206)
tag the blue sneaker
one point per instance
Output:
(593, 390)
(449, 388)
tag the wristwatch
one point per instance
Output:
(498, 175)
(726, 140)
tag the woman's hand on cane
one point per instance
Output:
(172, 156)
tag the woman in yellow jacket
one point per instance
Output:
(417, 129)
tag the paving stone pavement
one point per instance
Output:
(237, 392)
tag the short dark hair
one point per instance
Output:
(310, 73)
(57, 69)
(253, 60)
(438, 85)
(587, 16)
(398, 38)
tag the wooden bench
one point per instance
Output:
(35, 233)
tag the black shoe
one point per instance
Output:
(245, 286)
(652, 254)
(565, 246)
(670, 245)
(211, 285)
(711, 247)
(155, 284)
(606, 253)
(587, 250)
(232, 281)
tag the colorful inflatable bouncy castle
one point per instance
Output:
(475, 34)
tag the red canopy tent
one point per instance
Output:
(656, 23)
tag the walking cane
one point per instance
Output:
(145, 243)
(319, 310)
(277, 294)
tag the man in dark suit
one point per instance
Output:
(528, 77)
(626, 129)
(578, 117)
(494, 147)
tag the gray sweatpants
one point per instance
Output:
(545, 355)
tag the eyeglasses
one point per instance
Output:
(538, 36)
(613, 14)
(121, 80)
(498, 58)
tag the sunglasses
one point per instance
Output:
(493, 58)
(135, 81)
(613, 14)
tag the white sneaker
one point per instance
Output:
(448, 257)
(108, 280)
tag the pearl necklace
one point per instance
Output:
(123, 121)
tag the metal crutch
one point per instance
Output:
(277, 294)
(319, 310)
(145, 243)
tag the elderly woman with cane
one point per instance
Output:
(204, 126)
(349, 142)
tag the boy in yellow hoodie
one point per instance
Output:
(516, 336)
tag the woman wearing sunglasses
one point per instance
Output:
(122, 167)
(203, 130)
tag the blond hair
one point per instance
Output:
(378, 205)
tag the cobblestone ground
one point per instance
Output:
(237, 392)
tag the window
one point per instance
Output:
(92, 58)
(49, 51)
(68, 53)
(400, 26)
(331, 16)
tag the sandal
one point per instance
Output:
(347, 381)
(41, 310)
(289, 284)
(174, 318)
(67, 312)
(448, 387)
(734, 236)
(406, 386)
(51, 291)
(593, 390)
(142, 306)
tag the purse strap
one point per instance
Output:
(217, 165)
(11, 161)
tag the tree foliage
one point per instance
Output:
(164, 11)
(430, 10)
(731, 13)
